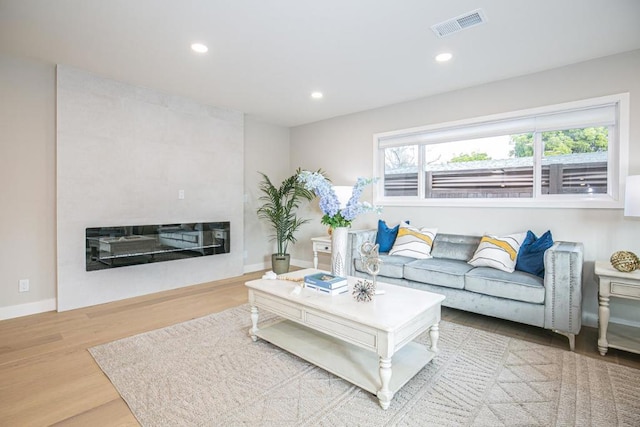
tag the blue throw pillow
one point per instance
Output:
(386, 236)
(531, 254)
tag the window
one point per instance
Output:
(563, 155)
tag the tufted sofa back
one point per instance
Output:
(454, 246)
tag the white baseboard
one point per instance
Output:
(302, 263)
(591, 319)
(309, 264)
(255, 267)
(20, 310)
(267, 265)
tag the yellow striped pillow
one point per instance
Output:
(413, 242)
(498, 252)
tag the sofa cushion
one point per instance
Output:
(454, 246)
(531, 254)
(441, 272)
(413, 242)
(499, 252)
(517, 286)
(386, 236)
(391, 265)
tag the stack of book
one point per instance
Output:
(326, 283)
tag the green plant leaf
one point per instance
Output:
(279, 206)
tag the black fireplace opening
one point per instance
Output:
(121, 246)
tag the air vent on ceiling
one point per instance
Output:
(459, 23)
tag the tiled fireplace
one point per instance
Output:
(133, 166)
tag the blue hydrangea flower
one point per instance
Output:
(329, 203)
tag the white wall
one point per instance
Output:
(266, 151)
(343, 147)
(28, 182)
(123, 153)
(27, 186)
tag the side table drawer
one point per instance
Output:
(625, 289)
(322, 247)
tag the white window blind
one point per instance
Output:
(604, 115)
(601, 115)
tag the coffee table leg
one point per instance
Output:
(384, 394)
(254, 323)
(434, 334)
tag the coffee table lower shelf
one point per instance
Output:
(350, 362)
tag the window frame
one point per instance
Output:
(617, 161)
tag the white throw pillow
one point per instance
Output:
(413, 242)
(498, 252)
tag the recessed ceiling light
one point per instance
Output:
(444, 57)
(316, 95)
(199, 47)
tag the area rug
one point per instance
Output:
(208, 372)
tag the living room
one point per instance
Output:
(42, 219)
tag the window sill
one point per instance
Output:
(552, 202)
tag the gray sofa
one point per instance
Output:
(554, 302)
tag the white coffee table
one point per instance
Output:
(369, 344)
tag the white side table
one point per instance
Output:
(614, 283)
(320, 244)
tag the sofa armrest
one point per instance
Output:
(563, 287)
(355, 241)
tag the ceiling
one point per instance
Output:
(267, 56)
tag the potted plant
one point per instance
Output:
(279, 205)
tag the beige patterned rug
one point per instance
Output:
(208, 372)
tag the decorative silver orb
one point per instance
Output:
(364, 290)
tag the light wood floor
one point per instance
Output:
(47, 376)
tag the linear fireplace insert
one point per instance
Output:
(121, 246)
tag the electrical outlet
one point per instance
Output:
(24, 285)
(181, 194)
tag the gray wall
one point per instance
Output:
(344, 147)
(266, 151)
(28, 186)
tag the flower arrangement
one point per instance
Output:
(334, 214)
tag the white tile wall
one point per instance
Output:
(123, 152)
